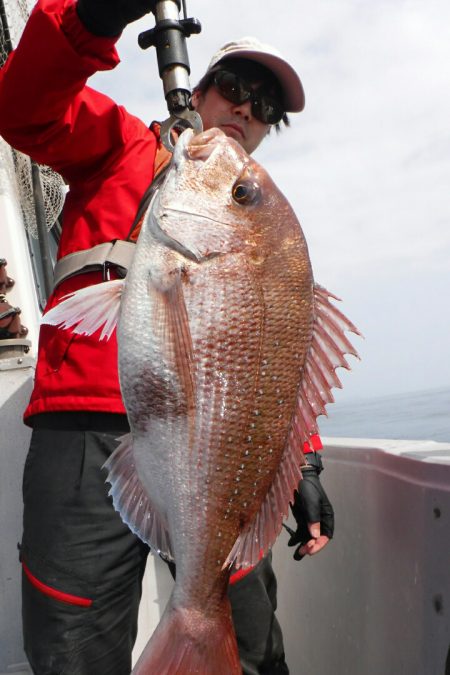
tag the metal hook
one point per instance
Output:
(186, 119)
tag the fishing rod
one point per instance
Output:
(169, 37)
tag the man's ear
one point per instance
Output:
(195, 98)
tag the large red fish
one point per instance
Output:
(227, 354)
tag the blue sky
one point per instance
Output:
(366, 166)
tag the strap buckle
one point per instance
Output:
(106, 271)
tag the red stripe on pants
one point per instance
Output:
(54, 593)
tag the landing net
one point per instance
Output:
(13, 16)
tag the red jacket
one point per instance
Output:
(106, 156)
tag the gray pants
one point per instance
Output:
(76, 545)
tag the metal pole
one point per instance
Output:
(169, 37)
(42, 231)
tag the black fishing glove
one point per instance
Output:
(108, 18)
(311, 505)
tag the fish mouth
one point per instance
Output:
(197, 146)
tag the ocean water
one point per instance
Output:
(421, 415)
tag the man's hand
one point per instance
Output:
(313, 513)
(108, 18)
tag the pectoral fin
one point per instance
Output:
(171, 318)
(89, 309)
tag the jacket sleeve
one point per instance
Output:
(46, 109)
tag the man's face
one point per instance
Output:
(234, 120)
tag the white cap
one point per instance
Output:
(250, 48)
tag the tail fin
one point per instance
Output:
(186, 642)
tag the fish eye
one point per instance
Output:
(246, 192)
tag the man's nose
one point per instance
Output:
(244, 109)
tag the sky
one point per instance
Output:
(366, 165)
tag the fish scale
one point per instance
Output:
(219, 350)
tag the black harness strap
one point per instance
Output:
(145, 201)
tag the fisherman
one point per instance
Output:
(82, 567)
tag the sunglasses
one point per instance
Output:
(233, 88)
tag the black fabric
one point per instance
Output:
(80, 421)
(75, 542)
(108, 18)
(259, 637)
(314, 459)
(311, 505)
